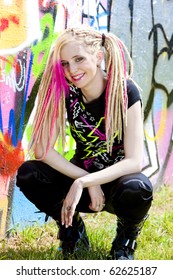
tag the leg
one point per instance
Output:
(41, 184)
(130, 199)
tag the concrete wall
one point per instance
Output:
(27, 29)
(147, 29)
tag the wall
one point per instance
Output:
(146, 27)
(27, 29)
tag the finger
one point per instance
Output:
(66, 210)
(68, 215)
(93, 206)
(97, 207)
(97, 204)
(63, 215)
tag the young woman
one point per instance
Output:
(104, 111)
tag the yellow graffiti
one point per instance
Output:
(161, 129)
(12, 22)
(3, 215)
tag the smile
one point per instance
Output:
(77, 77)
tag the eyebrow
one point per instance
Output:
(73, 57)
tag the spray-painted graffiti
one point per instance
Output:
(27, 31)
(25, 40)
(161, 92)
(151, 45)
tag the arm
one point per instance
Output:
(57, 161)
(133, 145)
(132, 162)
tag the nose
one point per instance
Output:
(72, 67)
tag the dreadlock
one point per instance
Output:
(53, 88)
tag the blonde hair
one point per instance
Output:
(53, 88)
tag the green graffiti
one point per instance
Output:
(70, 145)
(10, 62)
(28, 132)
(41, 49)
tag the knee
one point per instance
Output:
(24, 173)
(138, 189)
(136, 186)
(136, 192)
(133, 197)
(24, 168)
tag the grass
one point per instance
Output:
(154, 243)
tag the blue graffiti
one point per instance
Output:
(12, 128)
(94, 19)
(1, 124)
(12, 123)
(25, 99)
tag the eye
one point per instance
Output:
(79, 59)
(64, 64)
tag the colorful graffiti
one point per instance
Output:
(147, 31)
(25, 40)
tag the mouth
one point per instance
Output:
(77, 78)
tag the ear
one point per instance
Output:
(100, 57)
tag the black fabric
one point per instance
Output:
(129, 197)
(43, 186)
(133, 93)
(87, 127)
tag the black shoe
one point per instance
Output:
(124, 244)
(73, 239)
(123, 250)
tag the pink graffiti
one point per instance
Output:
(47, 4)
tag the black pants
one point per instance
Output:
(128, 197)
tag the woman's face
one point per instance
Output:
(80, 67)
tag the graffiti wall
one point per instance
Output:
(27, 30)
(147, 29)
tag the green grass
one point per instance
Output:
(154, 243)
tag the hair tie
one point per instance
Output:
(103, 39)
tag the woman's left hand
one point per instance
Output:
(97, 198)
(70, 202)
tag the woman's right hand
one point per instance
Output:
(70, 202)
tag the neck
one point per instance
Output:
(96, 88)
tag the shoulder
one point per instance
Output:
(133, 93)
